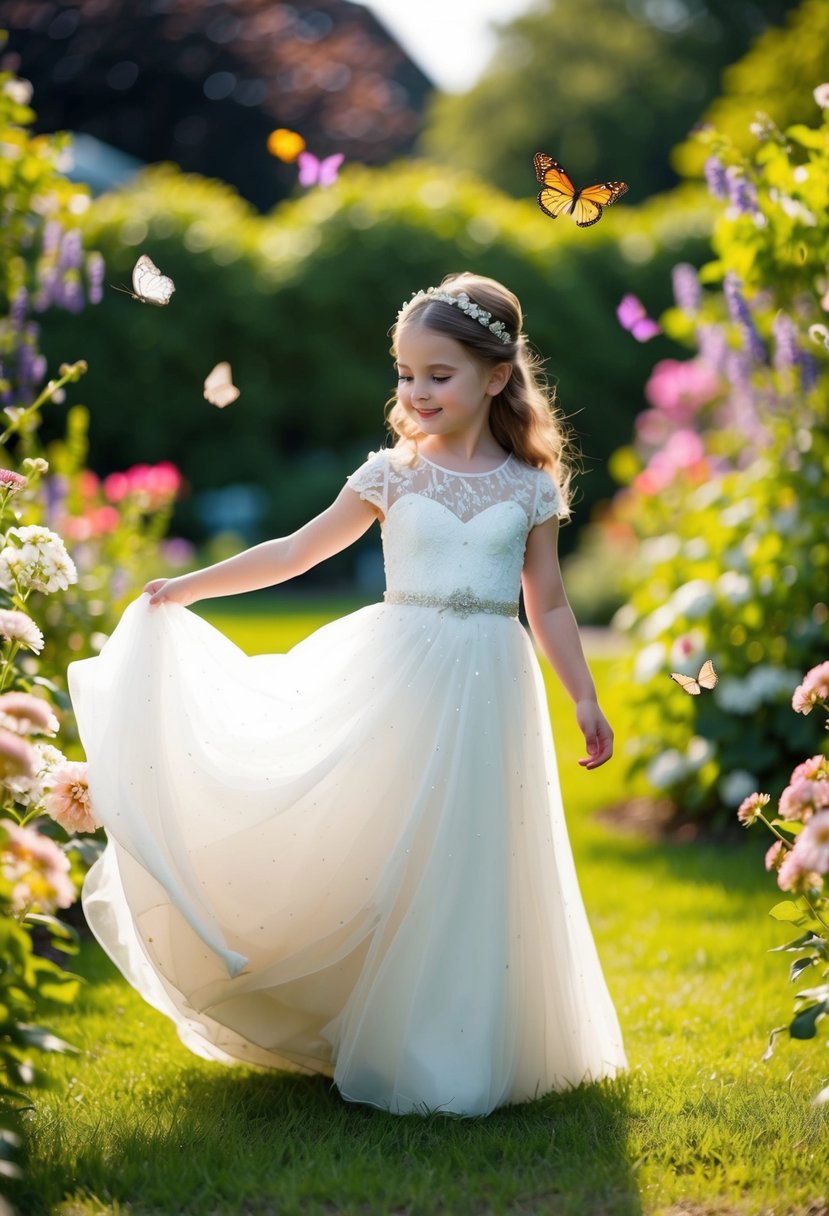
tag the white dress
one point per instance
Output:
(352, 858)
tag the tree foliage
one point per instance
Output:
(605, 87)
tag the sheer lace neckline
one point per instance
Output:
(459, 473)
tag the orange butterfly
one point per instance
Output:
(707, 678)
(560, 196)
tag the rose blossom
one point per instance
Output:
(26, 714)
(68, 801)
(20, 628)
(17, 757)
(803, 798)
(11, 481)
(816, 768)
(772, 855)
(815, 688)
(812, 845)
(37, 869)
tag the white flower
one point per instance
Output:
(667, 768)
(736, 786)
(30, 791)
(693, 599)
(624, 618)
(649, 662)
(36, 558)
(734, 587)
(696, 549)
(766, 683)
(659, 621)
(821, 96)
(20, 91)
(687, 648)
(698, 752)
(660, 549)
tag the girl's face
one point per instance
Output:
(441, 387)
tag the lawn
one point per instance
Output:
(136, 1125)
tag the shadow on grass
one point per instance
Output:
(252, 1143)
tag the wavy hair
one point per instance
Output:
(523, 418)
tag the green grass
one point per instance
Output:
(137, 1125)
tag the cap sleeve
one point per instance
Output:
(547, 500)
(371, 479)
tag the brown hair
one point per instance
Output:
(523, 417)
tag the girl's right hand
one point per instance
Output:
(172, 590)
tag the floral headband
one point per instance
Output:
(463, 302)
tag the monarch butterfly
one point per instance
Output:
(149, 285)
(560, 196)
(219, 388)
(316, 172)
(707, 678)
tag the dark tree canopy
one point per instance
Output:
(606, 87)
(202, 85)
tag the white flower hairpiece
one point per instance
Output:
(463, 302)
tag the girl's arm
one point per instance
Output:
(274, 561)
(556, 632)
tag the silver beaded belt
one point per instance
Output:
(464, 603)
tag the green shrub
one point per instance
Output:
(727, 487)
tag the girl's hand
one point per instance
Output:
(597, 733)
(170, 590)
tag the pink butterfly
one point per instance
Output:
(315, 172)
(632, 317)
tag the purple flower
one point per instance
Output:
(71, 250)
(741, 192)
(715, 177)
(95, 275)
(19, 306)
(687, 291)
(785, 343)
(739, 311)
(713, 346)
(52, 233)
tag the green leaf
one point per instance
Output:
(787, 910)
(798, 966)
(799, 943)
(804, 1026)
(807, 137)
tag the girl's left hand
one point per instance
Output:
(597, 733)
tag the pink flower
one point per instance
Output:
(11, 481)
(680, 389)
(26, 714)
(36, 868)
(750, 808)
(815, 688)
(632, 316)
(772, 855)
(816, 768)
(17, 757)
(653, 427)
(812, 845)
(68, 801)
(803, 798)
(19, 627)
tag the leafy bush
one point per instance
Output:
(727, 485)
(800, 857)
(300, 302)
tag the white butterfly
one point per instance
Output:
(219, 388)
(149, 285)
(707, 678)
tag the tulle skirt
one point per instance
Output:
(350, 858)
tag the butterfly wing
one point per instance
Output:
(219, 388)
(309, 169)
(707, 676)
(558, 191)
(329, 168)
(688, 683)
(149, 285)
(590, 200)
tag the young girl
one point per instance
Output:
(351, 858)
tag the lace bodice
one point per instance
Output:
(445, 532)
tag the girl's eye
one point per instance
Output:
(440, 379)
(402, 377)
